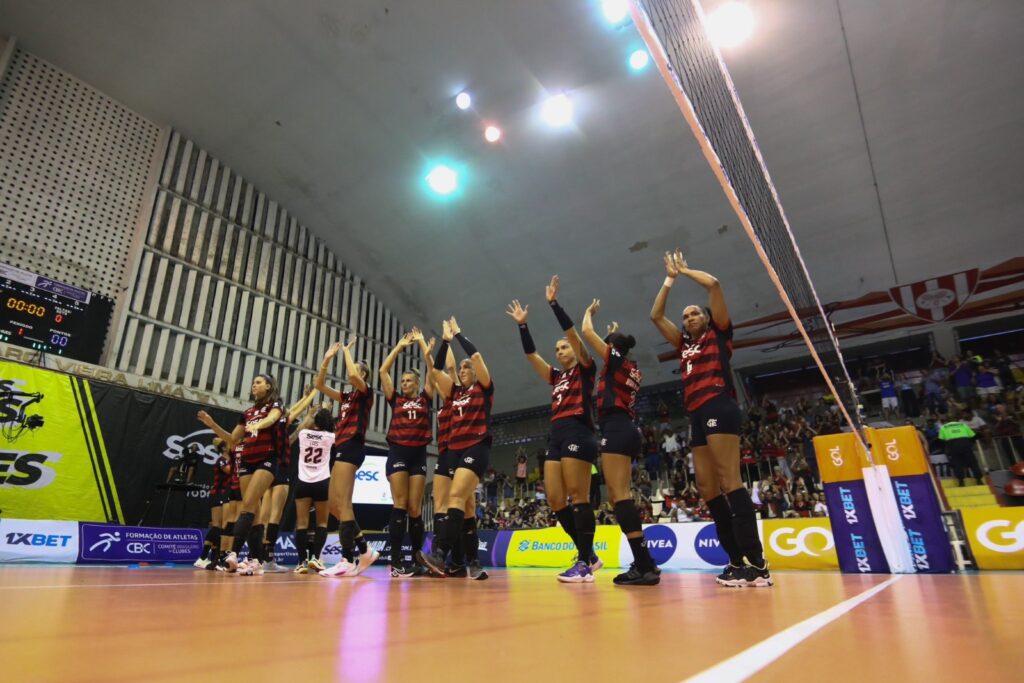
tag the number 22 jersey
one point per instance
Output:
(315, 455)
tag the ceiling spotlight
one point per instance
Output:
(730, 24)
(442, 180)
(492, 133)
(557, 110)
(639, 60)
(614, 10)
(463, 100)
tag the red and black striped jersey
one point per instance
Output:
(704, 364)
(284, 449)
(444, 422)
(236, 460)
(572, 392)
(263, 446)
(353, 415)
(471, 416)
(221, 479)
(619, 384)
(410, 420)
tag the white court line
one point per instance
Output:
(741, 666)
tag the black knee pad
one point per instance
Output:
(347, 534)
(719, 508)
(628, 516)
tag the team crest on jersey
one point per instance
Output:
(413, 404)
(692, 350)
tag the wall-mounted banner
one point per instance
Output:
(799, 544)
(996, 536)
(35, 540)
(53, 463)
(112, 543)
(552, 547)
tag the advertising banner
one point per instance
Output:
(552, 547)
(372, 486)
(918, 504)
(996, 536)
(53, 463)
(112, 543)
(799, 544)
(34, 540)
(856, 538)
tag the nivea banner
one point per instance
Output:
(112, 543)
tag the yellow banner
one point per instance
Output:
(839, 457)
(899, 449)
(53, 463)
(799, 544)
(996, 536)
(552, 547)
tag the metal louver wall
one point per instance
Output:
(73, 170)
(230, 284)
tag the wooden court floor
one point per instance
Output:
(160, 624)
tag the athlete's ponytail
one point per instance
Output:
(621, 342)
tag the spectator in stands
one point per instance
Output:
(662, 414)
(934, 383)
(987, 382)
(963, 379)
(1007, 431)
(1004, 368)
(820, 509)
(801, 506)
(959, 438)
(522, 469)
(490, 484)
(887, 391)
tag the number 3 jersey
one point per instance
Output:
(315, 455)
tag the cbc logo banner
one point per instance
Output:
(111, 543)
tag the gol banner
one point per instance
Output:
(799, 544)
(996, 536)
(53, 462)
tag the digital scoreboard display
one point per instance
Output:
(52, 317)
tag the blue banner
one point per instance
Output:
(113, 543)
(922, 519)
(853, 528)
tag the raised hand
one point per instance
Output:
(454, 326)
(431, 344)
(416, 335)
(670, 265)
(594, 307)
(518, 313)
(205, 418)
(551, 291)
(333, 351)
(351, 343)
(446, 331)
(613, 327)
(680, 261)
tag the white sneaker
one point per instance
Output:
(366, 560)
(316, 565)
(343, 568)
(301, 568)
(251, 568)
(231, 561)
(201, 563)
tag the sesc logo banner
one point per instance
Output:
(372, 486)
(996, 536)
(799, 544)
(34, 540)
(114, 543)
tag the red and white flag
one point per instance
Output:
(938, 298)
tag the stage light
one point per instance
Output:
(463, 100)
(638, 60)
(557, 110)
(442, 180)
(614, 11)
(492, 133)
(730, 24)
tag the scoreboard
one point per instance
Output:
(52, 317)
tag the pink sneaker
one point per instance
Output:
(343, 568)
(366, 561)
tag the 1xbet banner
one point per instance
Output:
(53, 461)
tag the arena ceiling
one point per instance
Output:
(335, 108)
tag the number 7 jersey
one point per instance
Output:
(315, 455)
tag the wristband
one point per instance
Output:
(669, 281)
(466, 345)
(524, 336)
(563, 318)
(442, 355)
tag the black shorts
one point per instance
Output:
(217, 499)
(268, 465)
(476, 458)
(352, 451)
(720, 415)
(619, 435)
(445, 465)
(235, 495)
(317, 490)
(570, 438)
(411, 459)
(283, 478)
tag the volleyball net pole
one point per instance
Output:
(693, 69)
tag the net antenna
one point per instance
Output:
(693, 69)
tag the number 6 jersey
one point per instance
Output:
(315, 455)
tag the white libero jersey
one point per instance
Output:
(315, 455)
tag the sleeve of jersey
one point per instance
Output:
(727, 332)
(488, 390)
(552, 375)
(590, 370)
